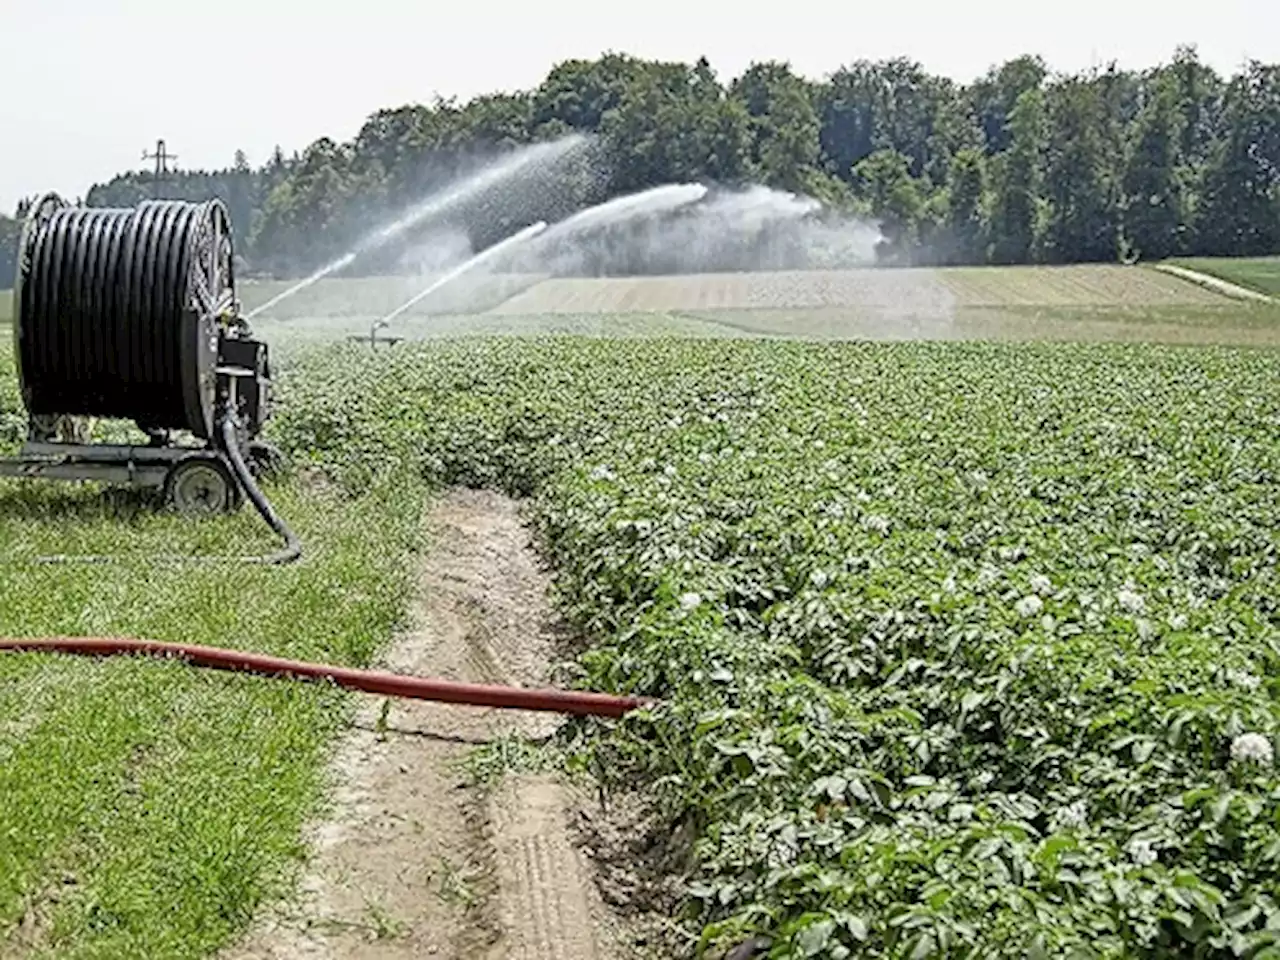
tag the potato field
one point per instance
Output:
(962, 649)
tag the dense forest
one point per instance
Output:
(1022, 165)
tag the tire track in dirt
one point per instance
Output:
(412, 861)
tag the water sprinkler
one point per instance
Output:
(483, 256)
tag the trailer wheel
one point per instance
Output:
(203, 485)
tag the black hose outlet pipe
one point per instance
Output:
(292, 549)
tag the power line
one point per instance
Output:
(162, 157)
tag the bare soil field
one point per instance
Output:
(919, 290)
(899, 292)
(1101, 302)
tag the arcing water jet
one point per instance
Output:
(483, 256)
(670, 196)
(436, 205)
(685, 228)
(301, 285)
(561, 249)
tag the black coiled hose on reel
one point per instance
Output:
(128, 314)
(117, 312)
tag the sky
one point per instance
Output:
(88, 85)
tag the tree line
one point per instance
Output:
(1021, 166)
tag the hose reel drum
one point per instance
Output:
(131, 314)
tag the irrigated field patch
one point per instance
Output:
(1098, 302)
(373, 297)
(878, 292)
(294, 333)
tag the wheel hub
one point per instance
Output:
(201, 488)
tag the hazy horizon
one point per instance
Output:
(90, 89)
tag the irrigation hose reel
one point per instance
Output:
(131, 314)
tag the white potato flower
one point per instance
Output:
(1028, 606)
(1130, 601)
(876, 522)
(1244, 679)
(689, 601)
(1142, 852)
(1252, 747)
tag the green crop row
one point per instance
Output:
(962, 649)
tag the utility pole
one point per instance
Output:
(162, 158)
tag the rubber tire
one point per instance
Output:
(228, 497)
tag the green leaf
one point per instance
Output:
(924, 947)
(1243, 917)
(813, 939)
(972, 700)
(1218, 808)
(856, 926)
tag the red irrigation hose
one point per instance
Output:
(370, 681)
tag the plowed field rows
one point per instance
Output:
(921, 289)
(906, 291)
